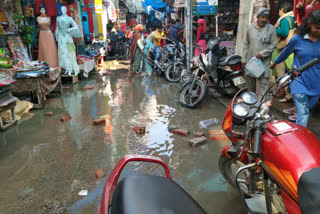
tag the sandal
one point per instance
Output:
(293, 118)
(289, 110)
(286, 99)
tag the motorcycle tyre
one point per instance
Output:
(168, 71)
(184, 90)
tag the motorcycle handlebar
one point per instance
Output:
(257, 139)
(307, 65)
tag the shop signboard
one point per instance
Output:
(205, 7)
(179, 3)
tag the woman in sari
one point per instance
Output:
(135, 52)
(200, 40)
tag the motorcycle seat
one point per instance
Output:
(146, 194)
(231, 60)
(309, 191)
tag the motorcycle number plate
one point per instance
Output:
(238, 81)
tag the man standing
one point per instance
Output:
(158, 35)
(260, 42)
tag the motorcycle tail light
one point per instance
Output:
(236, 67)
(227, 68)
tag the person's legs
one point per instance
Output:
(157, 56)
(262, 86)
(251, 83)
(157, 50)
(304, 104)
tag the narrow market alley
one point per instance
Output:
(45, 163)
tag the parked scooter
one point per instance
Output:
(225, 74)
(166, 56)
(145, 194)
(271, 163)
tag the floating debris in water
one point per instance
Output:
(83, 193)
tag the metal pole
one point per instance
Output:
(217, 27)
(188, 20)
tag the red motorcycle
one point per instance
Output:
(145, 194)
(275, 165)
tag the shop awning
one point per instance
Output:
(156, 4)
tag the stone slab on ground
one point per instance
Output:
(99, 173)
(88, 87)
(199, 134)
(197, 141)
(49, 113)
(139, 129)
(217, 135)
(182, 132)
(65, 118)
(99, 121)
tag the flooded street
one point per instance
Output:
(45, 163)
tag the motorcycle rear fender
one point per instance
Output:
(112, 181)
(234, 74)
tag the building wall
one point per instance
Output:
(243, 24)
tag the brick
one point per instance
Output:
(66, 87)
(99, 173)
(217, 135)
(49, 113)
(65, 118)
(139, 129)
(99, 121)
(197, 141)
(88, 87)
(182, 132)
(199, 134)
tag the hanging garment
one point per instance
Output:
(47, 44)
(66, 47)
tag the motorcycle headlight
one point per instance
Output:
(249, 98)
(240, 110)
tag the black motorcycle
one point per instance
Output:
(178, 67)
(225, 74)
(167, 55)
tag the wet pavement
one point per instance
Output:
(45, 163)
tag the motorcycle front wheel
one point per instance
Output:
(174, 72)
(228, 168)
(192, 95)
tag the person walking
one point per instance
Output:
(200, 40)
(305, 89)
(284, 27)
(135, 53)
(121, 42)
(158, 36)
(260, 42)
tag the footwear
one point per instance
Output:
(289, 110)
(285, 99)
(293, 118)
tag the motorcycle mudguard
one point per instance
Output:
(186, 83)
(234, 74)
(178, 63)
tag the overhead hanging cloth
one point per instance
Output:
(156, 4)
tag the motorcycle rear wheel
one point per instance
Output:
(173, 73)
(193, 98)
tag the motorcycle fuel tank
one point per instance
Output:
(287, 151)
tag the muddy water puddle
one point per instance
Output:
(45, 163)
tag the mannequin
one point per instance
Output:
(66, 47)
(47, 44)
